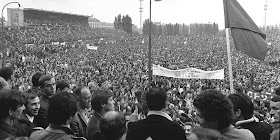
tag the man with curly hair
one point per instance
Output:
(214, 110)
(243, 109)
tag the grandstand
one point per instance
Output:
(30, 16)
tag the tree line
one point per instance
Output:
(180, 29)
(123, 23)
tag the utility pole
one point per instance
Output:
(141, 11)
(265, 8)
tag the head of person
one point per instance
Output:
(35, 79)
(156, 99)
(84, 96)
(277, 91)
(11, 104)
(4, 84)
(47, 84)
(32, 104)
(243, 108)
(200, 133)
(62, 85)
(214, 110)
(275, 108)
(6, 73)
(113, 125)
(62, 108)
(102, 100)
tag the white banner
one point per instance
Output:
(92, 47)
(55, 43)
(188, 73)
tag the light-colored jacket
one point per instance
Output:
(53, 132)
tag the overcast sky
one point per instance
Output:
(165, 11)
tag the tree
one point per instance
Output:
(120, 21)
(123, 23)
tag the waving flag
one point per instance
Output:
(247, 37)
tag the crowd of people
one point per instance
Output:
(49, 63)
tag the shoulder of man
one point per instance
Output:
(135, 124)
(36, 133)
(78, 138)
(243, 134)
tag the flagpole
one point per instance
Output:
(229, 62)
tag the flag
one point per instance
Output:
(247, 36)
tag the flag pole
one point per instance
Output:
(229, 62)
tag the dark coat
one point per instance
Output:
(23, 126)
(79, 125)
(157, 127)
(41, 119)
(6, 131)
(93, 130)
(261, 130)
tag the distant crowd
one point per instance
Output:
(54, 87)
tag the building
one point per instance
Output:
(95, 23)
(30, 16)
(193, 29)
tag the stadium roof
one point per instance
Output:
(55, 12)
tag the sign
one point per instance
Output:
(55, 43)
(260, 96)
(92, 47)
(15, 17)
(188, 73)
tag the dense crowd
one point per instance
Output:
(58, 50)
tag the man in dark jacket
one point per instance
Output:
(48, 88)
(62, 109)
(81, 119)
(101, 102)
(11, 106)
(158, 125)
(275, 114)
(25, 123)
(243, 117)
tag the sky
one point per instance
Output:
(165, 11)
